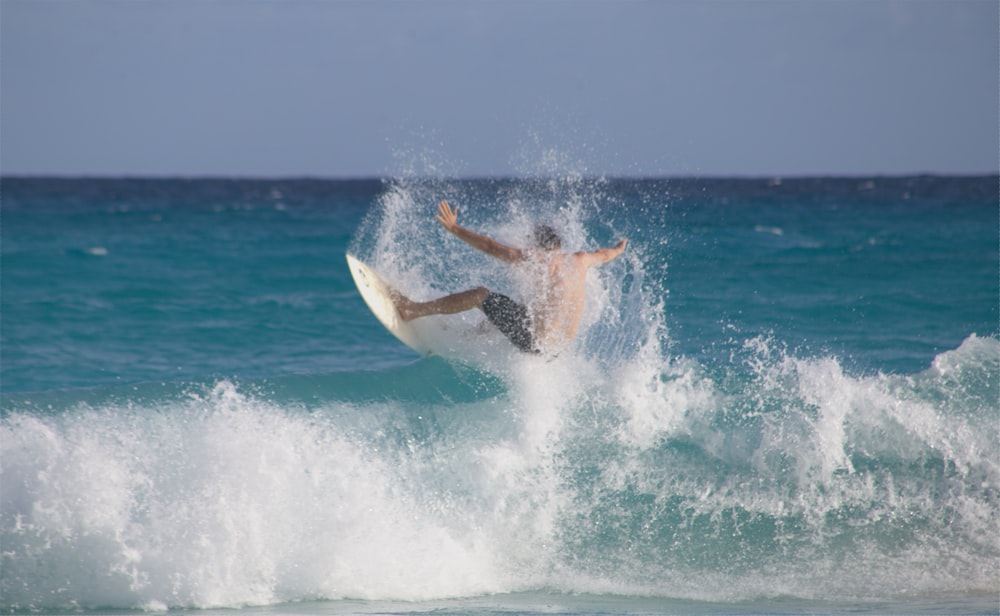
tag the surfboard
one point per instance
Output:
(466, 336)
(376, 293)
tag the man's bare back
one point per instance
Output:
(557, 283)
(558, 301)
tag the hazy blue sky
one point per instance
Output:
(310, 88)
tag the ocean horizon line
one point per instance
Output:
(493, 178)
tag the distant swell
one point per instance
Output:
(779, 475)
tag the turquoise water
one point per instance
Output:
(784, 400)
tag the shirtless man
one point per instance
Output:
(551, 318)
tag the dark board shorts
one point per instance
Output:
(512, 319)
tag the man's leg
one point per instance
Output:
(449, 304)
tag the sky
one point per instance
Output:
(296, 88)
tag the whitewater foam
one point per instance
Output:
(806, 479)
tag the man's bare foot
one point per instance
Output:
(404, 306)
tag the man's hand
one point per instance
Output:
(449, 220)
(447, 216)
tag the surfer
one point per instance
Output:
(556, 279)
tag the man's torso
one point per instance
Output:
(557, 285)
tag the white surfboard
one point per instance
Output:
(458, 336)
(375, 291)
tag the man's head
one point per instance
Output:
(546, 238)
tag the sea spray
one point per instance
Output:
(401, 239)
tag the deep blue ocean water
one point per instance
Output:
(785, 399)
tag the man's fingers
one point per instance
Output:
(446, 214)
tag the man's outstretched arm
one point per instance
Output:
(449, 220)
(602, 256)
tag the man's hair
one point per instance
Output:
(546, 238)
